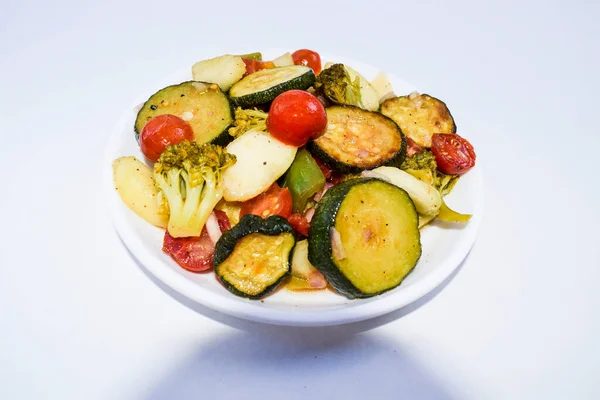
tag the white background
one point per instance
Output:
(79, 319)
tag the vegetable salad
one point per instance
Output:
(291, 172)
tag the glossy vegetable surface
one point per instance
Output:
(295, 117)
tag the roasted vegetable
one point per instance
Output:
(426, 198)
(356, 139)
(253, 258)
(263, 86)
(224, 70)
(419, 116)
(204, 106)
(362, 245)
(189, 179)
(342, 85)
(246, 120)
(304, 275)
(135, 184)
(261, 160)
(422, 166)
(381, 83)
(304, 179)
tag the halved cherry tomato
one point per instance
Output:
(255, 65)
(162, 131)
(195, 254)
(299, 223)
(295, 117)
(275, 201)
(324, 168)
(309, 58)
(454, 155)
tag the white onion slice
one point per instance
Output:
(213, 229)
(336, 244)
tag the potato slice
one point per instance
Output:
(134, 181)
(261, 160)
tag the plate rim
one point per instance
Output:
(256, 311)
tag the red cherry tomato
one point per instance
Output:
(195, 254)
(295, 117)
(275, 201)
(454, 155)
(162, 131)
(309, 58)
(255, 65)
(299, 223)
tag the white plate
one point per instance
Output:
(443, 247)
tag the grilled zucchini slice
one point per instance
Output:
(364, 237)
(261, 87)
(419, 116)
(253, 258)
(357, 139)
(203, 105)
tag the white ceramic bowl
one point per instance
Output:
(444, 247)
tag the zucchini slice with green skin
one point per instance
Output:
(364, 237)
(253, 258)
(357, 139)
(261, 87)
(419, 116)
(203, 105)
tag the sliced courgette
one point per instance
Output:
(253, 258)
(419, 116)
(357, 139)
(203, 105)
(364, 237)
(261, 87)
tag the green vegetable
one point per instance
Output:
(423, 166)
(253, 56)
(426, 198)
(342, 85)
(419, 116)
(364, 237)
(253, 258)
(261, 87)
(357, 139)
(304, 179)
(188, 176)
(448, 215)
(246, 120)
(203, 105)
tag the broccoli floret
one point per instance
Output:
(188, 176)
(335, 83)
(246, 120)
(421, 160)
(422, 165)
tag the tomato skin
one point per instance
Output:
(295, 117)
(299, 223)
(255, 65)
(275, 201)
(454, 155)
(162, 131)
(195, 254)
(309, 58)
